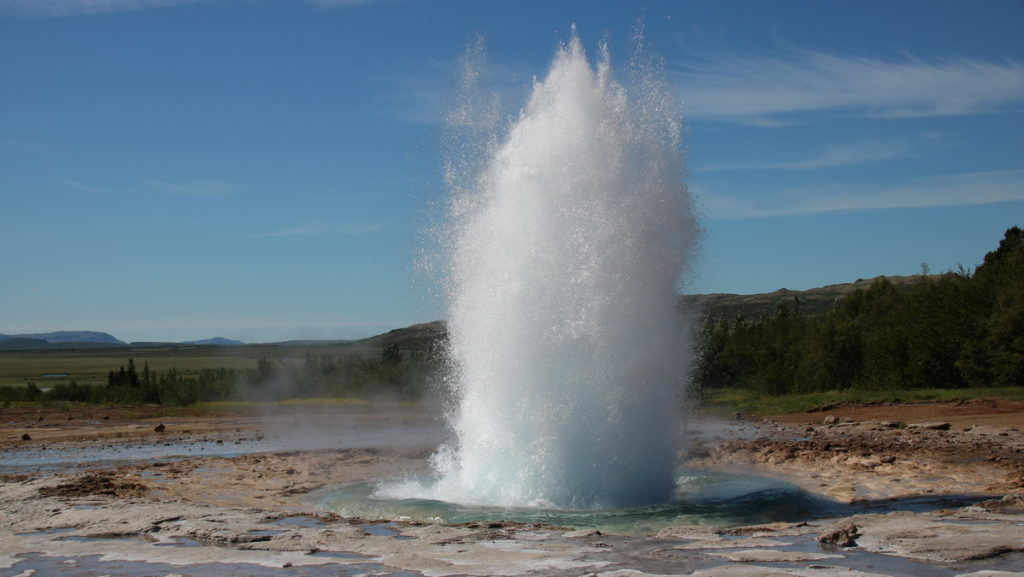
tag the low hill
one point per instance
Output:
(421, 336)
(22, 344)
(425, 336)
(74, 337)
(218, 341)
(810, 302)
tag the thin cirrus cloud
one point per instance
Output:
(85, 187)
(769, 90)
(316, 227)
(190, 188)
(344, 3)
(837, 155)
(58, 8)
(963, 189)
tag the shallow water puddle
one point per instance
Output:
(300, 521)
(90, 539)
(53, 531)
(264, 532)
(179, 542)
(92, 565)
(337, 555)
(384, 530)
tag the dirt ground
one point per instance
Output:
(932, 489)
(960, 414)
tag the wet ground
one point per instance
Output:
(249, 496)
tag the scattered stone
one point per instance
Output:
(823, 407)
(839, 536)
(930, 426)
(160, 428)
(580, 533)
(830, 420)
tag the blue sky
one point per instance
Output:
(264, 169)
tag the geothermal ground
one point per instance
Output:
(932, 489)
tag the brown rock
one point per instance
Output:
(930, 426)
(841, 535)
(97, 483)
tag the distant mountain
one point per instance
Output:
(22, 344)
(214, 341)
(74, 337)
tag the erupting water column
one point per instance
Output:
(568, 352)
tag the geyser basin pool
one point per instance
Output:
(568, 234)
(700, 498)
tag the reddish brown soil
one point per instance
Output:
(959, 414)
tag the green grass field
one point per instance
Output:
(90, 366)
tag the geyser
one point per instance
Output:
(568, 239)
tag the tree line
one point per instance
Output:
(954, 330)
(393, 373)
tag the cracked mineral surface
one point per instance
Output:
(915, 490)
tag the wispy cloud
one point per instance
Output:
(423, 94)
(152, 186)
(344, 3)
(836, 155)
(86, 187)
(761, 89)
(963, 189)
(192, 188)
(57, 8)
(317, 227)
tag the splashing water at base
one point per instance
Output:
(567, 243)
(700, 498)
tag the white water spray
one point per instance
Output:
(568, 242)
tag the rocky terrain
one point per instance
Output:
(920, 495)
